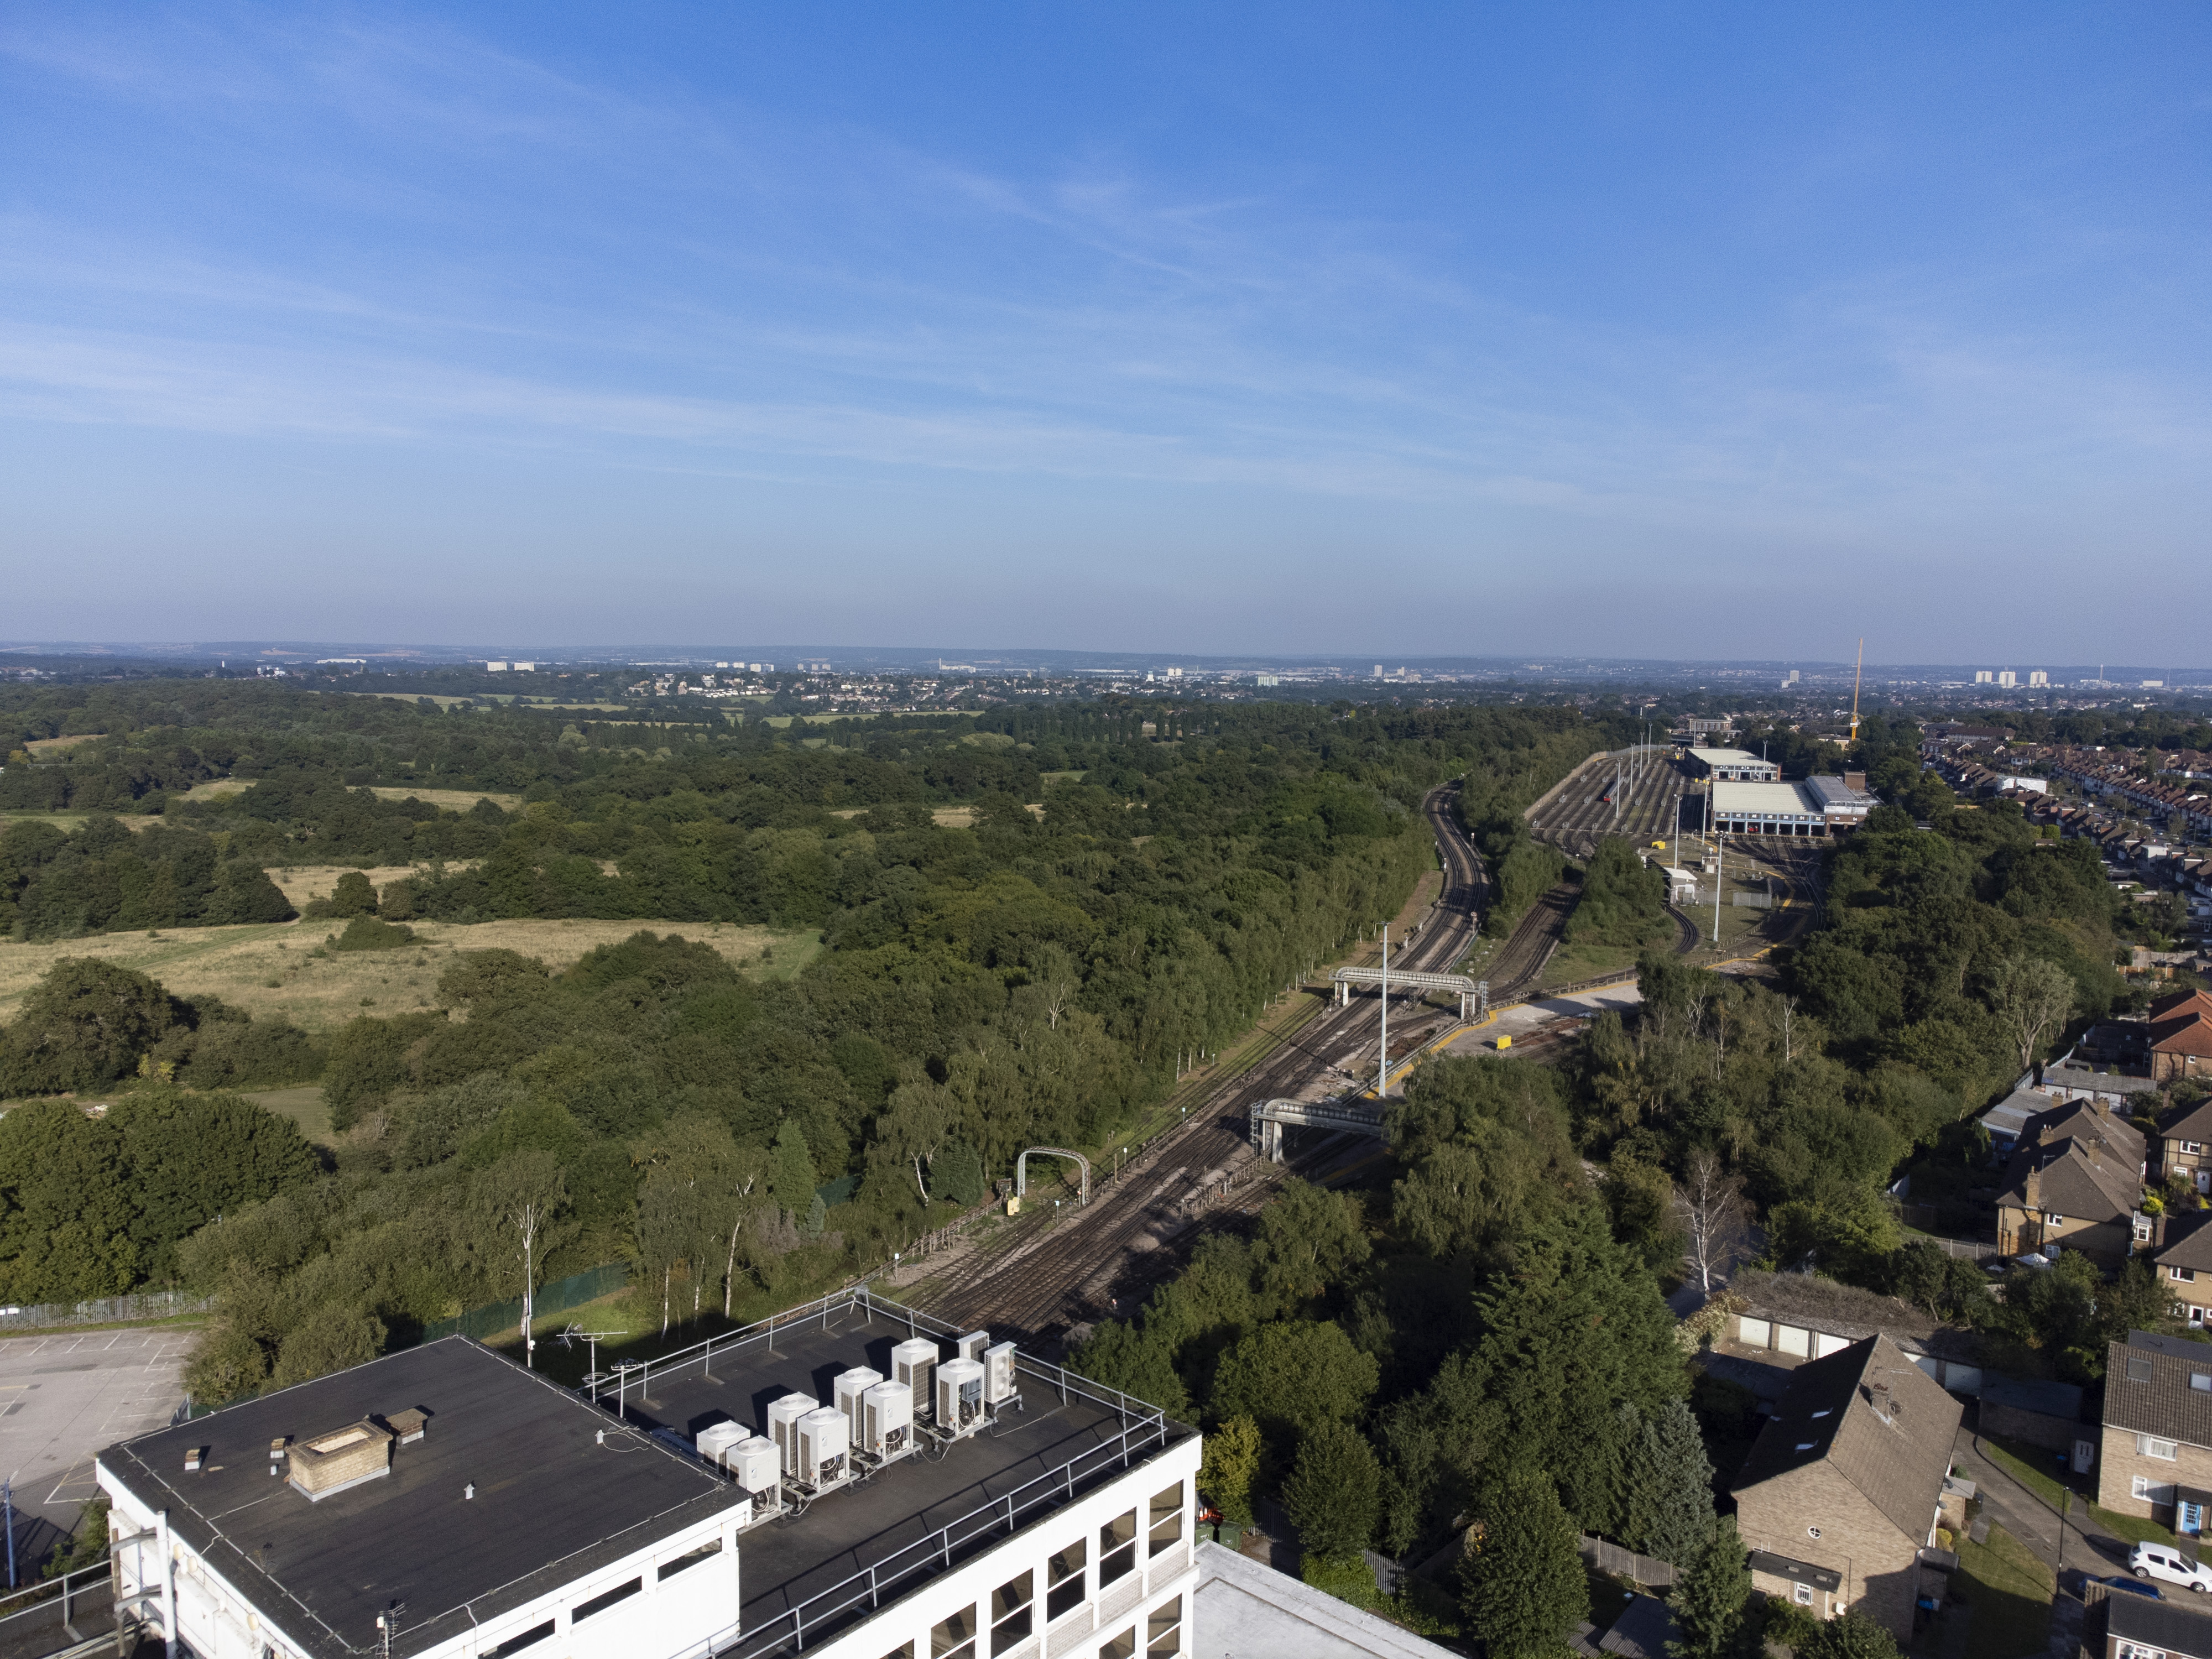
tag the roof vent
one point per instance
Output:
(345, 1457)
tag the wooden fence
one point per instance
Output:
(1627, 1564)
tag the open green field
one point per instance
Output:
(1571, 962)
(266, 969)
(2007, 1594)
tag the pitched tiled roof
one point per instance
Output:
(2188, 1241)
(2147, 1387)
(2116, 1140)
(2179, 1001)
(2189, 1033)
(1878, 1419)
(2069, 1182)
(2187, 1122)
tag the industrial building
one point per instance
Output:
(1737, 765)
(850, 1479)
(1815, 806)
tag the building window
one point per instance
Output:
(1123, 1646)
(1163, 1630)
(2150, 1491)
(1812, 1532)
(2138, 1369)
(2192, 1146)
(2186, 1275)
(1803, 1594)
(606, 1599)
(1167, 1519)
(530, 1637)
(2052, 1219)
(1117, 1548)
(2142, 1230)
(1063, 1580)
(2133, 1650)
(904, 1650)
(2200, 1381)
(705, 1551)
(1011, 1613)
(955, 1638)
(2149, 1445)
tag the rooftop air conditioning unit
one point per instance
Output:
(823, 1438)
(716, 1439)
(999, 1374)
(782, 1415)
(887, 1420)
(972, 1345)
(959, 1396)
(846, 1393)
(911, 1364)
(754, 1464)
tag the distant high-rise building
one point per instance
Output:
(1792, 680)
(495, 667)
(2037, 676)
(2007, 679)
(1378, 671)
(1983, 676)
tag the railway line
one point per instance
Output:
(1049, 1277)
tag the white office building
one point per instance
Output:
(1736, 765)
(1816, 806)
(850, 1479)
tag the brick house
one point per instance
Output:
(2181, 1037)
(2185, 1266)
(2075, 1183)
(2155, 1450)
(1842, 1489)
(2183, 1145)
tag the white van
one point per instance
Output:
(2159, 1561)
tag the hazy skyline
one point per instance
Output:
(1689, 333)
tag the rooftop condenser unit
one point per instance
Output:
(754, 1464)
(959, 1397)
(824, 1438)
(846, 1392)
(716, 1439)
(972, 1345)
(911, 1364)
(782, 1417)
(887, 1421)
(999, 1388)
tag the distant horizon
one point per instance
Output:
(1358, 664)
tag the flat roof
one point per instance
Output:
(1761, 800)
(1729, 758)
(550, 1503)
(847, 1532)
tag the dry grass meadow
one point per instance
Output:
(267, 969)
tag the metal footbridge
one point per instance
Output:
(1269, 1118)
(1473, 994)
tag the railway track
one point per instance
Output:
(1050, 1276)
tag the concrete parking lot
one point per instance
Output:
(65, 1397)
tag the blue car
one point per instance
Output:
(2137, 1586)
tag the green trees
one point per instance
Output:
(1291, 1376)
(1333, 1490)
(1231, 1466)
(1853, 1636)
(1522, 1585)
(85, 1023)
(1665, 1504)
(1623, 901)
(1708, 1599)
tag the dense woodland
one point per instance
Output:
(1119, 899)
(1439, 1395)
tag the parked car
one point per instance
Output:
(2137, 1588)
(2159, 1561)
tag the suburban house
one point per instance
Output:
(2075, 1183)
(2071, 1079)
(2136, 1627)
(1842, 1491)
(2181, 1037)
(2184, 1146)
(2156, 1459)
(2185, 1265)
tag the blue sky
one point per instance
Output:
(1701, 330)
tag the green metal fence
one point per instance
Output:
(562, 1294)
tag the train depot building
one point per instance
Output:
(772, 1491)
(1815, 807)
(1735, 765)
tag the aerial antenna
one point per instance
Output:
(1855, 673)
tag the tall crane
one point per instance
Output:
(1856, 673)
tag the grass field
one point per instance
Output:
(302, 883)
(266, 969)
(49, 745)
(2009, 1592)
(303, 1105)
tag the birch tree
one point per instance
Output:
(1709, 1208)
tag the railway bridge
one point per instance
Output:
(1473, 994)
(1268, 1118)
